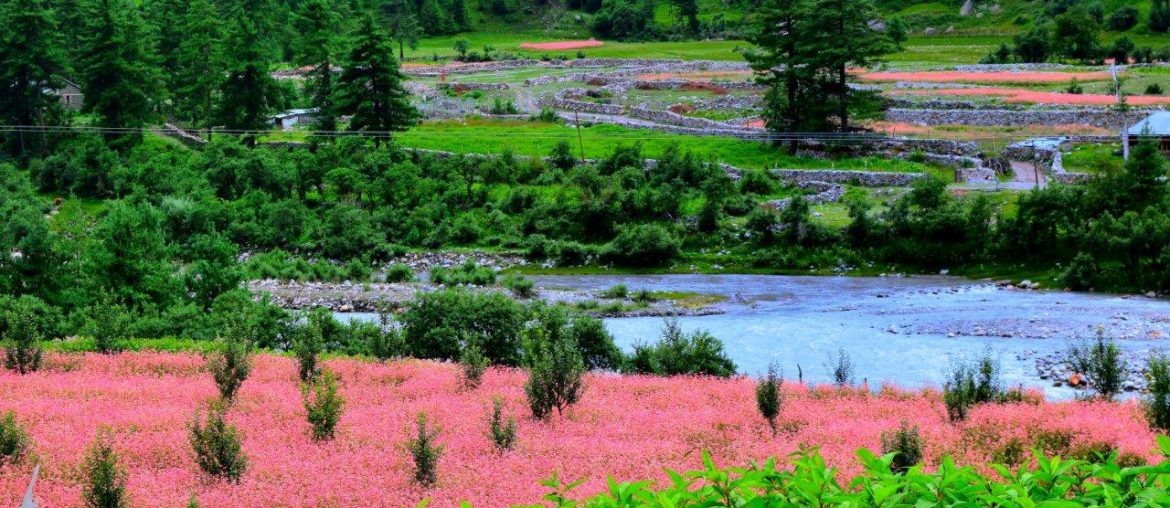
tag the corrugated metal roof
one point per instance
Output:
(1157, 124)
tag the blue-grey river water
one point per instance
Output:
(907, 331)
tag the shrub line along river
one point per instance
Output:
(904, 330)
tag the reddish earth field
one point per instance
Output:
(1038, 77)
(696, 76)
(627, 427)
(1020, 95)
(561, 45)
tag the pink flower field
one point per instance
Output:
(629, 427)
(561, 45)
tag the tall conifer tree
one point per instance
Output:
(370, 87)
(30, 59)
(319, 25)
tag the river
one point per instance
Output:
(904, 330)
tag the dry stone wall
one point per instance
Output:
(1096, 117)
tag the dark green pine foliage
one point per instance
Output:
(370, 87)
(249, 90)
(319, 25)
(402, 22)
(199, 63)
(30, 58)
(121, 78)
(845, 39)
(168, 20)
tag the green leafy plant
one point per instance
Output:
(1157, 402)
(323, 405)
(14, 441)
(906, 445)
(217, 444)
(1102, 362)
(425, 452)
(230, 364)
(769, 399)
(105, 484)
(23, 353)
(556, 372)
(473, 364)
(502, 432)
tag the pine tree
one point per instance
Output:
(370, 87)
(168, 19)
(403, 25)
(199, 62)
(120, 75)
(30, 57)
(459, 17)
(844, 39)
(319, 25)
(249, 90)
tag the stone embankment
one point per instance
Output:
(858, 178)
(381, 297)
(1095, 117)
(1058, 369)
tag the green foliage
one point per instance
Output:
(1157, 403)
(437, 325)
(1154, 89)
(1101, 361)
(467, 274)
(841, 369)
(31, 55)
(970, 385)
(323, 405)
(230, 363)
(769, 399)
(308, 344)
(809, 481)
(108, 323)
(502, 432)
(398, 273)
(473, 364)
(905, 444)
(643, 245)
(249, 93)
(370, 86)
(14, 441)
(387, 342)
(624, 20)
(22, 337)
(616, 292)
(519, 285)
(119, 70)
(677, 353)
(105, 479)
(217, 444)
(556, 370)
(425, 451)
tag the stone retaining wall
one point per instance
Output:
(672, 118)
(838, 176)
(473, 86)
(1008, 117)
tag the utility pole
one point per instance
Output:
(1123, 109)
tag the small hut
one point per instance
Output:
(1155, 127)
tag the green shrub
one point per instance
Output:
(14, 441)
(757, 181)
(556, 371)
(1157, 402)
(643, 245)
(399, 272)
(562, 156)
(473, 364)
(388, 342)
(109, 324)
(425, 452)
(502, 432)
(1101, 361)
(306, 347)
(768, 397)
(217, 444)
(1081, 272)
(616, 292)
(840, 368)
(1074, 87)
(105, 482)
(467, 274)
(437, 323)
(23, 351)
(323, 405)
(230, 363)
(906, 444)
(519, 285)
(677, 353)
(970, 385)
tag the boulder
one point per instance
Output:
(950, 29)
(928, 31)
(967, 8)
(1076, 380)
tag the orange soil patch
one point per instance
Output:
(986, 77)
(560, 46)
(699, 86)
(697, 75)
(1019, 95)
(898, 128)
(755, 124)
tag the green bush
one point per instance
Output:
(970, 385)
(1154, 89)
(22, 352)
(473, 364)
(905, 444)
(519, 285)
(467, 274)
(425, 452)
(811, 482)
(1157, 403)
(769, 398)
(105, 482)
(616, 292)
(14, 441)
(306, 347)
(323, 405)
(388, 342)
(1101, 361)
(436, 325)
(677, 353)
(502, 432)
(399, 272)
(643, 245)
(230, 363)
(217, 444)
(556, 371)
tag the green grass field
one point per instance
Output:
(538, 138)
